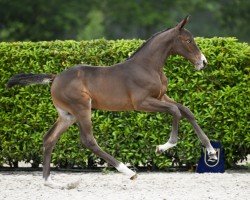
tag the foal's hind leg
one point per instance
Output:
(62, 124)
(82, 111)
(190, 117)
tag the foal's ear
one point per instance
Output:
(183, 23)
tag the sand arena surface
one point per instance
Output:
(152, 186)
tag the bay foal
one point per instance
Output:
(135, 84)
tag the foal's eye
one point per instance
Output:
(188, 41)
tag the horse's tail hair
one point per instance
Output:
(27, 79)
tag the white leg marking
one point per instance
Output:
(212, 153)
(51, 184)
(166, 146)
(125, 170)
(211, 150)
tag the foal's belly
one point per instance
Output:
(112, 103)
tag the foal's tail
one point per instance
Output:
(27, 79)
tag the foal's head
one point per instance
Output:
(185, 46)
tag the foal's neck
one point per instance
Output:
(154, 54)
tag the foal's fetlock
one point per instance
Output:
(161, 148)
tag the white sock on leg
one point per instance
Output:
(125, 170)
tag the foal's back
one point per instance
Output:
(106, 87)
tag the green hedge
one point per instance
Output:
(219, 96)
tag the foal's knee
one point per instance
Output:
(47, 145)
(175, 111)
(186, 112)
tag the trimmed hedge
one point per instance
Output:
(219, 96)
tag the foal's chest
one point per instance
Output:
(159, 86)
(163, 88)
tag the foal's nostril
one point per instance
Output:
(204, 60)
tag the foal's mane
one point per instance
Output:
(147, 41)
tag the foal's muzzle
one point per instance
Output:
(202, 63)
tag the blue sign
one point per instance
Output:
(212, 166)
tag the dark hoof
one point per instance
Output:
(133, 177)
(158, 150)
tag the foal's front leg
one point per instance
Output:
(190, 117)
(155, 105)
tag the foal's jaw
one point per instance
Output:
(201, 63)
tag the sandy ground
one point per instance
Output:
(151, 186)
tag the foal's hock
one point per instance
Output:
(140, 84)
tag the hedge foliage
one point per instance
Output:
(219, 96)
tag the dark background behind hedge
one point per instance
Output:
(26, 20)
